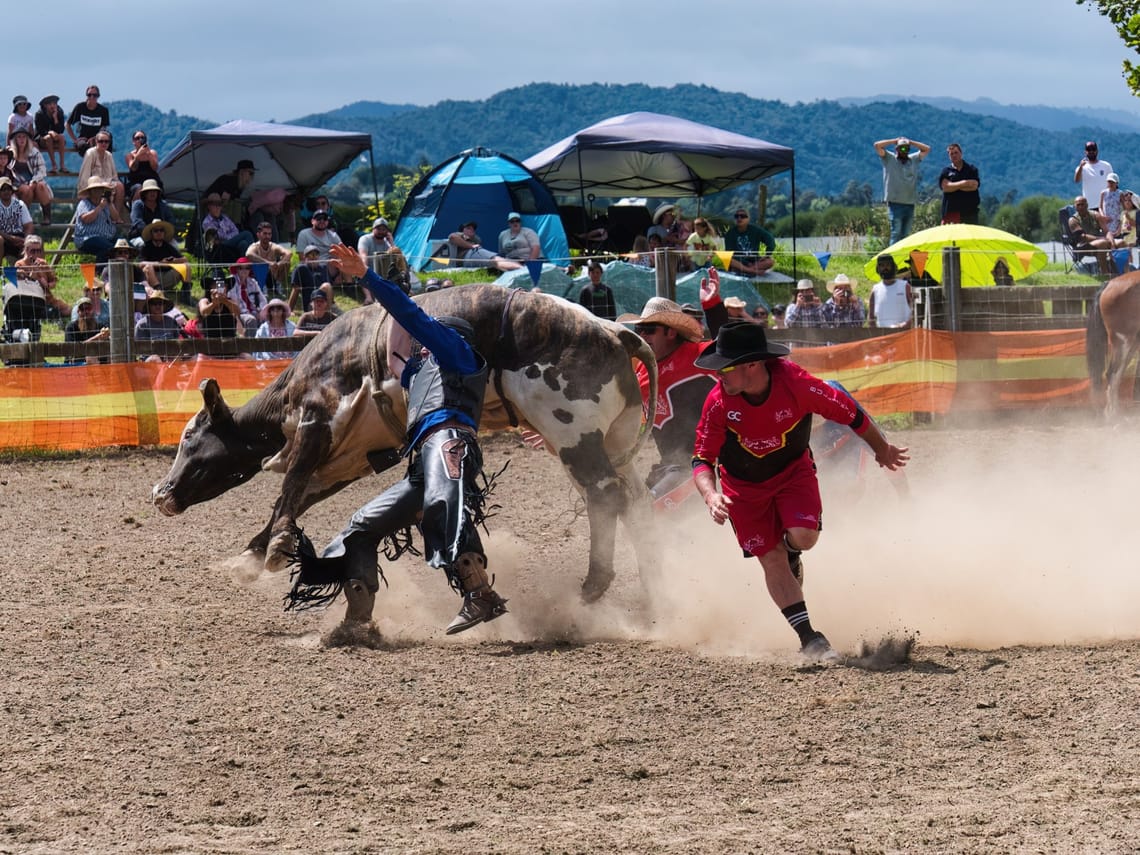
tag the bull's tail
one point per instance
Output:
(1096, 345)
(638, 349)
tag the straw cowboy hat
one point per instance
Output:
(275, 303)
(734, 303)
(662, 210)
(121, 244)
(737, 343)
(150, 184)
(660, 310)
(96, 183)
(149, 228)
(167, 304)
(841, 281)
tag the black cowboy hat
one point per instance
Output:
(739, 342)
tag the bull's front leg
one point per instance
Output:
(604, 503)
(312, 444)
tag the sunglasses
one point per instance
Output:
(140, 139)
(740, 216)
(728, 369)
(102, 142)
(646, 329)
(92, 94)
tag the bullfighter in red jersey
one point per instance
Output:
(754, 433)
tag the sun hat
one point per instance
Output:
(805, 285)
(1113, 177)
(378, 222)
(275, 303)
(241, 262)
(20, 99)
(49, 99)
(734, 303)
(661, 310)
(149, 228)
(95, 182)
(150, 184)
(841, 281)
(514, 215)
(167, 304)
(737, 343)
(121, 244)
(662, 210)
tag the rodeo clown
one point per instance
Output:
(445, 384)
(753, 434)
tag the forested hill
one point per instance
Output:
(832, 142)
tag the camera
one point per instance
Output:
(107, 195)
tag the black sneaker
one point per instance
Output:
(478, 607)
(819, 649)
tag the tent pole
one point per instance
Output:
(196, 221)
(375, 188)
(795, 273)
(582, 194)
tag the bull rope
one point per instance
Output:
(381, 398)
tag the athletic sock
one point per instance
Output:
(797, 616)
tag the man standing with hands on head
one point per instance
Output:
(1092, 174)
(959, 182)
(900, 182)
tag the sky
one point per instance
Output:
(289, 59)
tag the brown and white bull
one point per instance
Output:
(337, 414)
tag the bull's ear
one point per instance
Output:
(216, 406)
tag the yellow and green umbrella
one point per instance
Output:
(980, 247)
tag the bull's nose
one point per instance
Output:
(161, 498)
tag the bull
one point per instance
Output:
(337, 413)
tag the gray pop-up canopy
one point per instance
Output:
(651, 154)
(286, 157)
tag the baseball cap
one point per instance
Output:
(380, 221)
(514, 215)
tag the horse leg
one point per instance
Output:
(1119, 354)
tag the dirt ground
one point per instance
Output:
(156, 699)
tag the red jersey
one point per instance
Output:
(681, 389)
(755, 443)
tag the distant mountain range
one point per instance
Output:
(1019, 150)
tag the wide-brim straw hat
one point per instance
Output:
(149, 228)
(96, 183)
(275, 302)
(662, 210)
(661, 310)
(167, 303)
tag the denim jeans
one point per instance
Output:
(901, 217)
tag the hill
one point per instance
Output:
(832, 140)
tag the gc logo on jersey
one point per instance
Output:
(734, 416)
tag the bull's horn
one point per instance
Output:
(216, 406)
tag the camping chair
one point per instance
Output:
(24, 315)
(1083, 262)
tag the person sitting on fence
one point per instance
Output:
(156, 325)
(85, 328)
(1088, 236)
(51, 133)
(265, 251)
(246, 291)
(15, 221)
(468, 247)
(148, 207)
(158, 255)
(31, 174)
(33, 266)
(317, 318)
(275, 325)
(98, 162)
(142, 165)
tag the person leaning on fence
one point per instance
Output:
(275, 324)
(806, 309)
(218, 315)
(318, 317)
(891, 297)
(85, 328)
(753, 433)
(844, 308)
(156, 325)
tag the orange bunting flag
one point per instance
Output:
(918, 261)
(723, 257)
(1026, 258)
(442, 262)
(182, 270)
(88, 271)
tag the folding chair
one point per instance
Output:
(1074, 258)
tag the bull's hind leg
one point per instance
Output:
(312, 444)
(604, 504)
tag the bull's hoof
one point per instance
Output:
(281, 546)
(595, 586)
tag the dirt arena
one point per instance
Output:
(156, 699)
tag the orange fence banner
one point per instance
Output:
(916, 371)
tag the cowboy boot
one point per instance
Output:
(360, 599)
(480, 603)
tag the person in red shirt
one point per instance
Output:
(753, 434)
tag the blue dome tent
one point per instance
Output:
(480, 185)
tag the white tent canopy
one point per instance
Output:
(289, 157)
